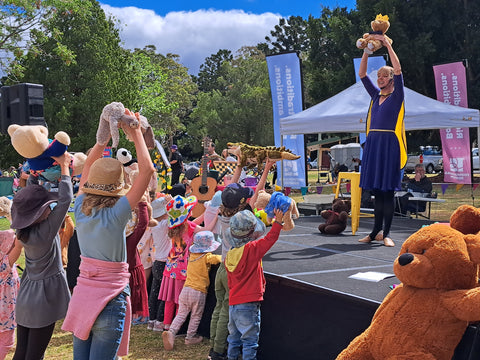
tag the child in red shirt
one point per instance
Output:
(246, 281)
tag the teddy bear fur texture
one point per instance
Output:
(278, 200)
(31, 142)
(114, 116)
(426, 316)
(379, 26)
(336, 219)
(5, 207)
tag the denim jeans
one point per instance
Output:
(244, 329)
(106, 333)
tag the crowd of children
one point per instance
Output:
(122, 246)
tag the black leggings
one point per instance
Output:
(32, 342)
(384, 208)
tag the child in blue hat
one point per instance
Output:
(194, 292)
(246, 280)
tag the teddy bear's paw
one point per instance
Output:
(368, 51)
(361, 43)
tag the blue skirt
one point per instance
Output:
(381, 162)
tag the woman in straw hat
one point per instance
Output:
(99, 312)
(44, 295)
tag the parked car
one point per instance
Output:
(193, 164)
(432, 163)
(313, 164)
(475, 159)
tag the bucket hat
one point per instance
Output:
(29, 204)
(203, 242)
(106, 178)
(244, 227)
(159, 207)
(234, 194)
(179, 210)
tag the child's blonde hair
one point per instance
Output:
(97, 201)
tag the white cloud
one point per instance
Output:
(192, 35)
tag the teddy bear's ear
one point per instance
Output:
(466, 219)
(473, 246)
(12, 128)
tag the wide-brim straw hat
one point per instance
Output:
(29, 204)
(106, 178)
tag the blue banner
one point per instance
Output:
(286, 87)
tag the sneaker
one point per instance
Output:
(168, 338)
(150, 324)
(158, 326)
(197, 339)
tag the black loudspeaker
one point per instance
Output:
(22, 104)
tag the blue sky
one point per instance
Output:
(283, 7)
(194, 30)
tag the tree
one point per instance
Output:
(244, 111)
(176, 89)
(24, 25)
(211, 71)
(75, 94)
(288, 35)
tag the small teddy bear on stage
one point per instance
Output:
(336, 219)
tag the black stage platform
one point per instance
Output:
(306, 255)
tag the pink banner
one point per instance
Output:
(451, 86)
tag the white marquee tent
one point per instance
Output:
(347, 111)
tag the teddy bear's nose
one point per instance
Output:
(405, 259)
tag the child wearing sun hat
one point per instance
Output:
(162, 245)
(246, 280)
(180, 231)
(99, 311)
(194, 293)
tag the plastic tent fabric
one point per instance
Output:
(347, 111)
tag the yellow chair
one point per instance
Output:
(356, 196)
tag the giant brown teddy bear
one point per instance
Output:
(426, 316)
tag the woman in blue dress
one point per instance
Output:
(385, 150)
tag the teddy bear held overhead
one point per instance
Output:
(379, 26)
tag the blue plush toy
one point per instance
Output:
(32, 142)
(279, 201)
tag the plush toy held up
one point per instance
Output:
(379, 26)
(336, 219)
(32, 142)
(252, 155)
(280, 201)
(426, 316)
(115, 116)
(130, 165)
